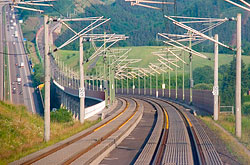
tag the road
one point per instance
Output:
(1, 55)
(23, 92)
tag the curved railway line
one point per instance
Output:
(176, 137)
(88, 139)
(182, 139)
(172, 135)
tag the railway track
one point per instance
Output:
(95, 140)
(182, 140)
(175, 137)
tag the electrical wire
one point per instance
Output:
(19, 54)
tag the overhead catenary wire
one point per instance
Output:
(240, 6)
(196, 32)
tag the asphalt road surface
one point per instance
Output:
(21, 92)
(1, 54)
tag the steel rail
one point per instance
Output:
(198, 155)
(106, 136)
(51, 151)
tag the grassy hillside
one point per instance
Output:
(29, 27)
(21, 133)
(71, 58)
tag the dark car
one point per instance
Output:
(14, 90)
(21, 93)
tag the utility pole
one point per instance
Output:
(176, 83)
(163, 84)
(93, 81)
(156, 89)
(46, 81)
(113, 84)
(122, 84)
(144, 85)
(216, 86)
(169, 84)
(139, 85)
(105, 74)
(183, 79)
(116, 85)
(127, 86)
(133, 85)
(81, 89)
(96, 79)
(238, 80)
(101, 83)
(191, 71)
(150, 83)
(110, 83)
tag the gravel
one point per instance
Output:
(220, 146)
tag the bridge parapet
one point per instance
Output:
(201, 98)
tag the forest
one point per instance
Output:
(142, 25)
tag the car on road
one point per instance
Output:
(21, 65)
(19, 80)
(21, 92)
(14, 90)
(16, 34)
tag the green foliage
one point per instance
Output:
(38, 76)
(246, 98)
(246, 109)
(203, 75)
(203, 86)
(228, 82)
(61, 115)
(142, 24)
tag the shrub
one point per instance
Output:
(61, 116)
(246, 98)
(246, 109)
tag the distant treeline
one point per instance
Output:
(143, 24)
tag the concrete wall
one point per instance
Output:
(70, 100)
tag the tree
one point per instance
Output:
(228, 83)
(203, 75)
(38, 76)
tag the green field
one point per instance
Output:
(145, 53)
(70, 58)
